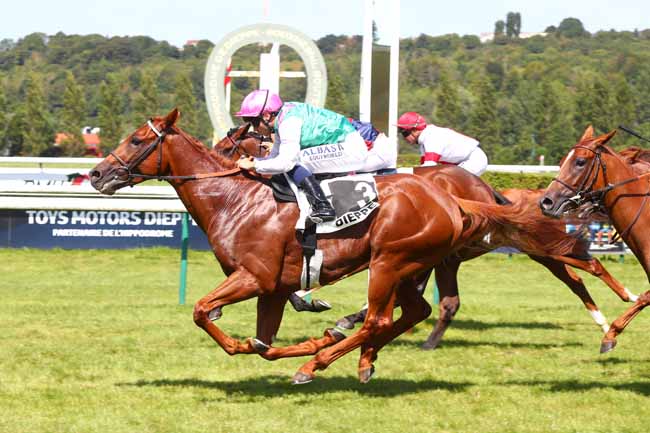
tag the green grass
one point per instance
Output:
(95, 341)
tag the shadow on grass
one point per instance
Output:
(641, 388)
(480, 326)
(450, 342)
(280, 386)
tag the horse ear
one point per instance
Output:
(588, 134)
(603, 139)
(171, 118)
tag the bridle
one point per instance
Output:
(586, 194)
(127, 169)
(261, 138)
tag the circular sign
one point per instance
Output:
(215, 71)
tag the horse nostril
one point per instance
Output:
(546, 203)
(95, 174)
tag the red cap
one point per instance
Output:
(411, 120)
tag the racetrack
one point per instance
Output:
(94, 341)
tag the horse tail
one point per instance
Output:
(521, 228)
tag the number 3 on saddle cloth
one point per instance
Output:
(354, 198)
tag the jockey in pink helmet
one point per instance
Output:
(308, 140)
(442, 145)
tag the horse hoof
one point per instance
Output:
(320, 305)
(215, 314)
(345, 323)
(607, 346)
(336, 334)
(429, 345)
(366, 374)
(259, 346)
(301, 378)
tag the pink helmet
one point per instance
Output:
(411, 120)
(259, 102)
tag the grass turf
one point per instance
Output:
(95, 341)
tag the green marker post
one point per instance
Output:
(185, 236)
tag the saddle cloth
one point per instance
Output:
(353, 197)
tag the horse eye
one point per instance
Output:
(135, 141)
(580, 162)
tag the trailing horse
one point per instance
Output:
(594, 174)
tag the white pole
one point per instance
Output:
(270, 69)
(366, 62)
(393, 89)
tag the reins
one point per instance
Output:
(129, 167)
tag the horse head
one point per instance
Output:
(240, 142)
(138, 157)
(583, 174)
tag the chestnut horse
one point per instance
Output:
(465, 185)
(593, 173)
(253, 238)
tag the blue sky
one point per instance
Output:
(176, 21)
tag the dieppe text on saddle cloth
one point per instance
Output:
(354, 198)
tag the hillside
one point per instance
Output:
(520, 97)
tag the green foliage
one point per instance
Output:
(146, 104)
(501, 181)
(72, 117)
(4, 114)
(38, 132)
(186, 103)
(110, 118)
(545, 89)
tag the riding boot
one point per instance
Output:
(315, 306)
(321, 209)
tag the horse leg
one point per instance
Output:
(595, 268)
(270, 309)
(414, 310)
(618, 326)
(239, 286)
(575, 283)
(381, 300)
(447, 282)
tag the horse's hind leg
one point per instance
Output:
(414, 310)
(577, 286)
(618, 326)
(447, 282)
(595, 268)
(381, 300)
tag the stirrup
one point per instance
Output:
(322, 215)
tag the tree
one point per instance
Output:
(16, 131)
(73, 117)
(3, 117)
(483, 119)
(186, 103)
(110, 110)
(499, 26)
(335, 93)
(511, 25)
(447, 111)
(571, 28)
(38, 134)
(146, 104)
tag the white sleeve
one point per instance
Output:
(288, 149)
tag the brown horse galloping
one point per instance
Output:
(463, 184)
(253, 238)
(593, 173)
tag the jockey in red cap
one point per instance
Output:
(442, 145)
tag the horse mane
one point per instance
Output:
(219, 158)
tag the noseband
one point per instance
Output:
(126, 169)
